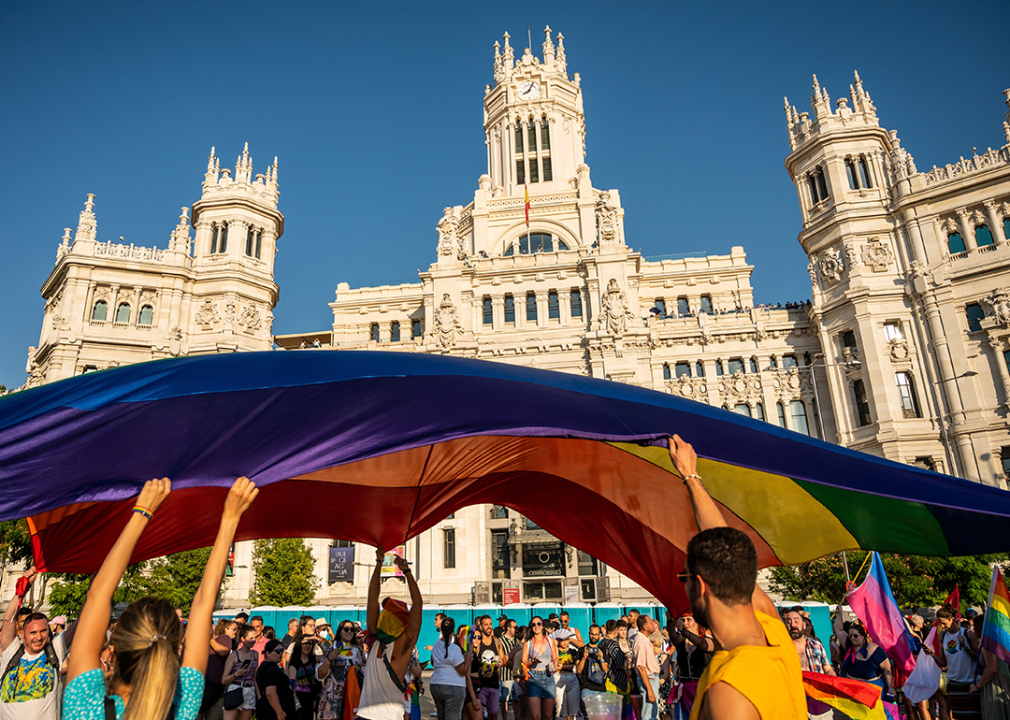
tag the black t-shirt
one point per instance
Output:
(287, 640)
(485, 663)
(269, 674)
(584, 682)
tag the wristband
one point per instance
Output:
(143, 511)
(692, 475)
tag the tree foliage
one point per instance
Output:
(68, 591)
(15, 543)
(916, 580)
(284, 573)
(177, 577)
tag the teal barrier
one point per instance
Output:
(607, 611)
(580, 617)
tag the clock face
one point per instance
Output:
(529, 89)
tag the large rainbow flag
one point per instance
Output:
(406, 439)
(857, 699)
(996, 629)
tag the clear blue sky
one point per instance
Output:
(370, 102)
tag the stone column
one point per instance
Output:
(967, 232)
(997, 350)
(497, 312)
(994, 222)
(565, 307)
(541, 309)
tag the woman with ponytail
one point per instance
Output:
(449, 670)
(147, 681)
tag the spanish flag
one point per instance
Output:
(527, 189)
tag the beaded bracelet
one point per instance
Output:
(692, 475)
(143, 511)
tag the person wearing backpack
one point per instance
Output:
(591, 667)
(31, 686)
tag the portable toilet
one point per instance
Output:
(520, 612)
(660, 615)
(317, 612)
(268, 613)
(492, 609)
(647, 609)
(544, 609)
(429, 633)
(226, 614)
(607, 611)
(461, 614)
(820, 616)
(580, 616)
(346, 612)
(286, 613)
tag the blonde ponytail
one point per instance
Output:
(146, 642)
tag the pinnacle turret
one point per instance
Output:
(87, 225)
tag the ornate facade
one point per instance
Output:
(901, 353)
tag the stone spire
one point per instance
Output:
(180, 236)
(1006, 123)
(861, 101)
(64, 246)
(213, 168)
(508, 58)
(560, 62)
(499, 71)
(819, 100)
(87, 226)
(243, 167)
(548, 48)
(271, 177)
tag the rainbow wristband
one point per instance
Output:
(143, 511)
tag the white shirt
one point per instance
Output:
(380, 698)
(36, 696)
(444, 665)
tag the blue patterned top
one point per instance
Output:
(84, 698)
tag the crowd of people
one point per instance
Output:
(733, 655)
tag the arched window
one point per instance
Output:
(818, 187)
(545, 148)
(249, 240)
(666, 371)
(955, 243)
(742, 409)
(864, 173)
(576, 303)
(123, 314)
(532, 136)
(536, 242)
(759, 412)
(100, 312)
(699, 369)
(223, 245)
(545, 134)
(798, 415)
(983, 237)
(906, 394)
(718, 367)
(781, 410)
(753, 365)
(519, 137)
(146, 316)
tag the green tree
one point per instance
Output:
(283, 568)
(916, 580)
(177, 577)
(69, 591)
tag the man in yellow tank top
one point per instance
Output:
(755, 672)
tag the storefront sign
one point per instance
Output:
(510, 596)
(341, 564)
(543, 560)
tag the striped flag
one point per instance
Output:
(527, 189)
(924, 681)
(857, 699)
(996, 629)
(874, 604)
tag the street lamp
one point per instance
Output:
(948, 450)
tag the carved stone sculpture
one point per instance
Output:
(998, 304)
(831, 266)
(877, 255)
(616, 313)
(448, 238)
(207, 315)
(607, 221)
(447, 327)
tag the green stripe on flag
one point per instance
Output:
(883, 524)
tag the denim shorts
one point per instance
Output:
(540, 685)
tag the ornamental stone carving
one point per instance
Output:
(997, 304)
(689, 387)
(790, 385)
(447, 327)
(897, 349)
(250, 318)
(607, 226)
(207, 316)
(831, 265)
(616, 313)
(877, 255)
(916, 269)
(738, 388)
(449, 242)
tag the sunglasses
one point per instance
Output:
(536, 624)
(347, 629)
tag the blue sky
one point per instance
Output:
(374, 110)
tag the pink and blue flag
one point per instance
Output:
(874, 604)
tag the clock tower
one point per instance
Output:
(533, 121)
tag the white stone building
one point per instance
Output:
(902, 352)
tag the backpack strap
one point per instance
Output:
(13, 662)
(110, 709)
(397, 681)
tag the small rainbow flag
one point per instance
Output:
(857, 699)
(996, 630)
(392, 620)
(527, 189)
